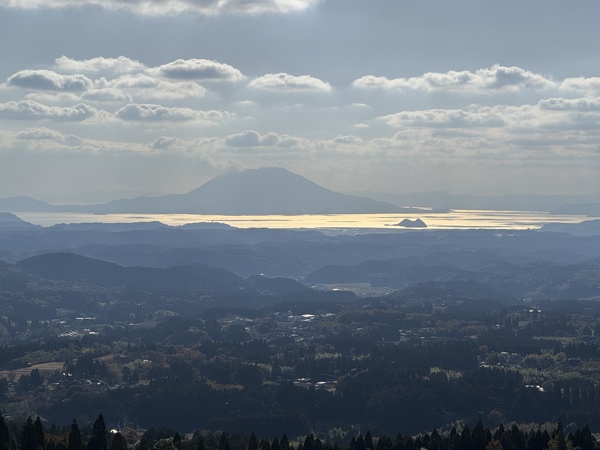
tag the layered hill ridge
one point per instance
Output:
(73, 268)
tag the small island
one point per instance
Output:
(407, 223)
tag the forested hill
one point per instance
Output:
(34, 435)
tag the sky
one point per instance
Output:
(159, 96)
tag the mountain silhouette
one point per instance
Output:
(75, 268)
(252, 192)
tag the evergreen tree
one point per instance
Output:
(74, 437)
(368, 440)
(465, 438)
(284, 443)
(478, 438)
(35, 379)
(6, 440)
(360, 442)
(28, 441)
(499, 432)
(98, 439)
(118, 442)
(40, 438)
(275, 444)
(5, 437)
(309, 442)
(177, 440)
(252, 443)
(223, 442)
(200, 443)
(560, 437)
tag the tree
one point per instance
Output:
(118, 442)
(252, 443)
(275, 444)
(40, 438)
(5, 437)
(74, 437)
(368, 440)
(223, 442)
(35, 379)
(27, 440)
(98, 439)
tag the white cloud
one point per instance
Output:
(106, 95)
(146, 87)
(46, 134)
(30, 110)
(283, 82)
(198, 69)
(577, 104)
(171, 7)
(50, 97)
(164, 142)
(483, 81)
(117, 65)
(588, 86)
(157, 113)
(347, 140)
(47, 80)
(450, 118)
(246, 138)
(250, 138)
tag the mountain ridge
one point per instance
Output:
(264, 191)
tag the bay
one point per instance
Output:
(454, 219)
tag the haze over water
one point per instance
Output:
(455, 219)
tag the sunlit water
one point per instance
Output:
(456, 219)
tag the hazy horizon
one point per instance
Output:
(465, 97)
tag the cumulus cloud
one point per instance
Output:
(117, 65)
(171, 7)
(30, 110)
(53, 97)
(268, 142)
(347, 140)
(164, 142)
(46, 134)
(106, 95)
(283, 82)
(577, 104)
(198, 69)
(47, 80)
(451, 118)
(250, 138)
(580, 84)
(483, 81)
(149, 87)
(157, 113)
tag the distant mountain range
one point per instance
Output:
(585, 209)
(558, 204)
(249, 192)
(272, 190)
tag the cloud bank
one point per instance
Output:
(171, 7)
